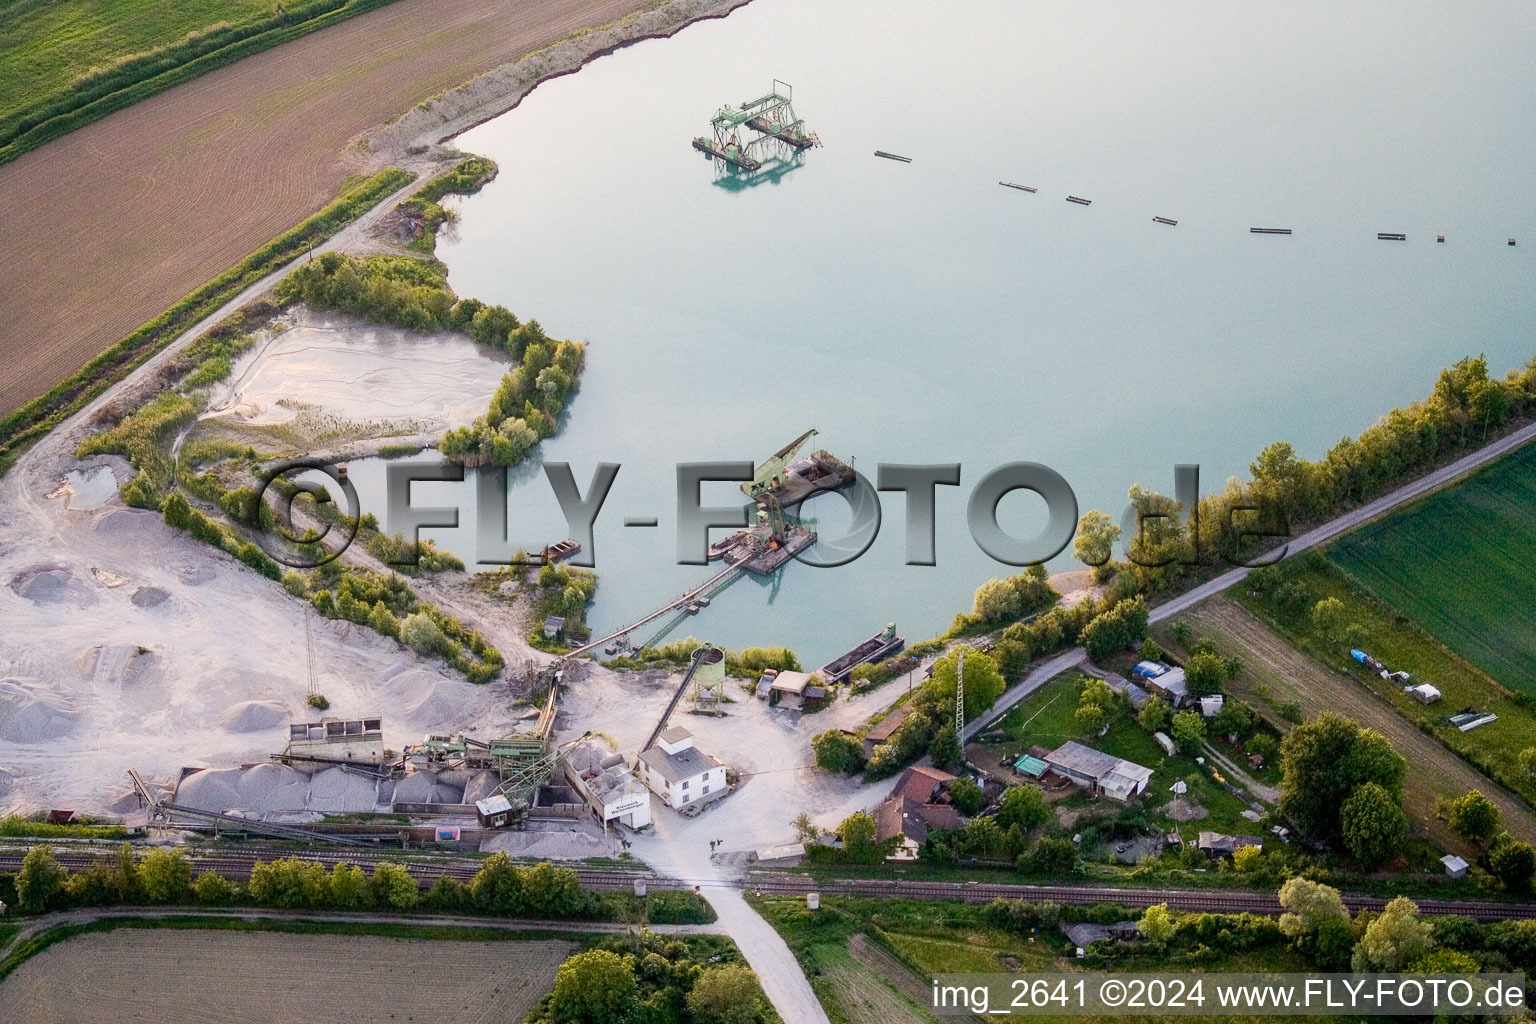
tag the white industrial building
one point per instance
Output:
(679, 772)
(605, 782)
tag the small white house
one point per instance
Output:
(1454, 866)
(789, 688)
(1210, 706)
(679, 772)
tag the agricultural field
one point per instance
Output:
(146, 976)
(1455, 563)
(189, 181)
(49, 45)
(1279, 668)
(871, 961)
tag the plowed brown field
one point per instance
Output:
(104, 228)
(157, 976)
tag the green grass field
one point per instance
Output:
(1401, 643)
(1458, 563)
(50, 43)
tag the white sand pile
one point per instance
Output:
(195, 573)
(253, 715)
(31, 713)
(130, 524)
(149, 597)
(426, 696)
(334, 791)
(424, 788)
(481, 786)
(261, 790)
(50, 585)
(565, 845)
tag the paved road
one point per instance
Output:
(1312, 538)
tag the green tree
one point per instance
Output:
(858, 835)
(836, 751)
(967, 797)
(1308, 906)
(1394, 940)
(1154, 715)
(1234, 719)
(1157, 924)
(595, 987)
(420, 632)
(727, 994)
(212, 887)
(497, 887)
(1091, 717)
(983, 682)
(1373, 824)
(1262, 744)
(805, 829)
(1323, 761)
(165, 875)
(1475, 817)
(1023, 807)
(1328, 618)
(1181, 631)
(1096, 536)
(1247, 859)
(1187, 730)
(40, 882)
(349, 886)
(1151, 650)
(1206, 673)
(1444, 961)
(393, 886)
(1512, 862)
(1527, 759)
(1333, 946)
(1052, 855)
(945, 748)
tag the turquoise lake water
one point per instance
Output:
(921, 313)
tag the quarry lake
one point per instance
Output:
(922, 313)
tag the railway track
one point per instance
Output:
(237, 865)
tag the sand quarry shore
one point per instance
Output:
(128, 644)
(186, 183)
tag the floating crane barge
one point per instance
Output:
(771, 116)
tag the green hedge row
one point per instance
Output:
(21, 428)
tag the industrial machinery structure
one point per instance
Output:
(709, 679)
(773, 120)
(790, 481)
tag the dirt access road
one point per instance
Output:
(109, 225)
(1290, 674)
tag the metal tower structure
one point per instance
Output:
(960, 696)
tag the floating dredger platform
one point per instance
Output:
(790, 481)
(771, 117)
